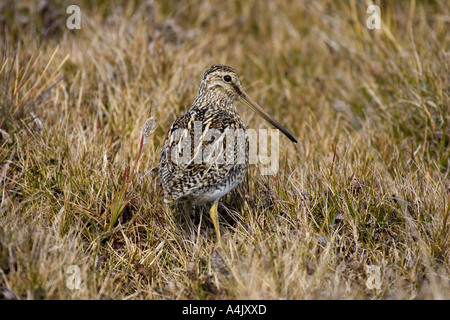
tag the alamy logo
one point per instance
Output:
(373, 277)
(213, 147)
(74, 21)
(74, 280)
(374, 20)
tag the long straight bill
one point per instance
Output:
(252, 104)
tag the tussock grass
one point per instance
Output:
(368, 183)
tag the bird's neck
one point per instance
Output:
(212, 101)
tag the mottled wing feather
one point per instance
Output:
(187, 181)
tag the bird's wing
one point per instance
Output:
(194, 154)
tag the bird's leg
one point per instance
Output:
(187, 212)
(215, 218)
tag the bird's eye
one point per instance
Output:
(227, 78)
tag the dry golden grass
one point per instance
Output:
(367, 184)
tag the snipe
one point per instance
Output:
(206, 152)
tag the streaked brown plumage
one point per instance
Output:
(201, 135)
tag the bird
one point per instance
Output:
(199, 162)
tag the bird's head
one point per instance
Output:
(221, 84)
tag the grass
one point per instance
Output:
(367, 185)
